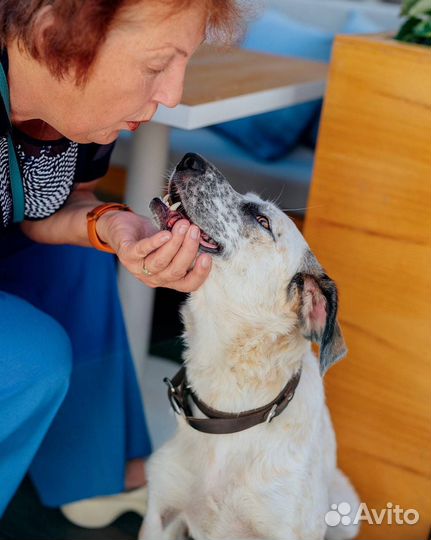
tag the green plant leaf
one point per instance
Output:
(420, 8)
(407, 5)
(406, 29)
(417, 27)
(423, 29)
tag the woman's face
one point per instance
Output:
(140, 65)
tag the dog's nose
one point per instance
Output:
(192, 162)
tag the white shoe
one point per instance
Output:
(101, 511)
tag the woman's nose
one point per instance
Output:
(170, 91)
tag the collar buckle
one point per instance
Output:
(173, 398)
(271, 414)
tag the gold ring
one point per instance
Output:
(145, 270)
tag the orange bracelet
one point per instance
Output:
(92, 218)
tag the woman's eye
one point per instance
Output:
(264, 221)
(154, 71)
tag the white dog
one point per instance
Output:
(261, 462)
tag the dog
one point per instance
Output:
(231, 472)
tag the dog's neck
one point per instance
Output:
(235, 363)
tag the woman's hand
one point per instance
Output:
(170, 258)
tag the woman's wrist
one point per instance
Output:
(92, 218)
(104, 227)
(116, 227)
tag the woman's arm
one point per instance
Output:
(171, 257)
(68, 226)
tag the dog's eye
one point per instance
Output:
(264, 221)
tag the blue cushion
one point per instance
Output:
(271, 135)
(276, 33)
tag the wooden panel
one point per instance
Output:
(369, 223)
(215, 74)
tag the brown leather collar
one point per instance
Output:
(219, 422)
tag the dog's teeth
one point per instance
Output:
(175, 206)
(166, 199)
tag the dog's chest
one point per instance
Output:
(262, 474)
(271, 472)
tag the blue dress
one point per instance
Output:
(100, 424)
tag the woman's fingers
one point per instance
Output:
(145, 247)
(194, 278)
(168, 259)
(159, 261)
(183, 260)
(179, 260)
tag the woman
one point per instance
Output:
(74, 74)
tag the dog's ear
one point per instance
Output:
(317, 305)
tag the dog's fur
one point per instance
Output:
(247, 331)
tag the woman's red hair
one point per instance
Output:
(81, 27)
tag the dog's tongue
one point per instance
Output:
(172, 218)
(206, 241)
(168, 218)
